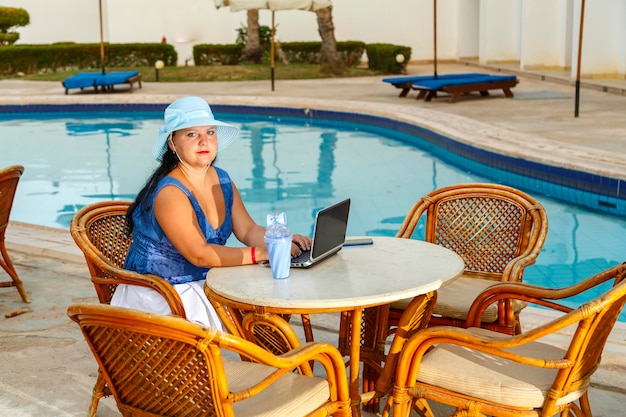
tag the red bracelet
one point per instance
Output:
(253, 254)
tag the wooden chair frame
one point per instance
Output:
(100, 232)
(497, 230)
(164, 365)
(9, 178)
(592, 323)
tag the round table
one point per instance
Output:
(389, 270)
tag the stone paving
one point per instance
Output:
(47, 368)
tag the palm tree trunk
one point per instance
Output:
(330, 60)
(253, 51)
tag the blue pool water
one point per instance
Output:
(296, 165)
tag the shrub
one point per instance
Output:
(382, 57)
(217, 54)
(11, 17)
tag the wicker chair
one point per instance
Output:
(100, 232)
(167, 366)
(497, 230)
(481, 372)
(9, 178)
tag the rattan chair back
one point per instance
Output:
(100, 232)
(488, 225)
(166, 366)
(497, 230)
(273, 333)
(9, 178)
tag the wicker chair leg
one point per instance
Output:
(99, 390)
(7, 265)
(370, 376)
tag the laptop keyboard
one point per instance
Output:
(304, 256)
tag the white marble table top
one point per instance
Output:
(358, 276)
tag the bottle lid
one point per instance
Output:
(276, 225)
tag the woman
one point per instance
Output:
(186, 212)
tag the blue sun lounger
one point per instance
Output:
(457, 86)
(406, 82)
(81, 80)
(104, 82)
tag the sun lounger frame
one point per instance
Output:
(456, 90)
(405, 83)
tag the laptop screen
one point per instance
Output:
(330, 228)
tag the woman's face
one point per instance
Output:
(196, 146)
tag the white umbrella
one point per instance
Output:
(273, 5)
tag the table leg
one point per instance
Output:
(355, 361)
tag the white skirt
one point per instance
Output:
(197, 307)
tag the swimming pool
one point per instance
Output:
(295, 164)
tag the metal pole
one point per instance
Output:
(101, 38)
(272, 51)
(435, 34)
(580, 50)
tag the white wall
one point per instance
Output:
(602, 51)
(500, 27)
(541, 33)
(534, 32)
(468, 18)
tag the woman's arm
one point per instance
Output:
(251, 234)
(178, 220)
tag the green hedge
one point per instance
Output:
(31, 59)
(382, 57)
(295, 52)
(217, 54)
(309, 52)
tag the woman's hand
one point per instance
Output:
(300, 243)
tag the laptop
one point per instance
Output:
(329, 234)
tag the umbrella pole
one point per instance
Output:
(272, 51)
(580, 49)
(101, 38)
(435, 36)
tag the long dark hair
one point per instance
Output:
(168, 163)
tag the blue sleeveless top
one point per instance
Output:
(153, 253)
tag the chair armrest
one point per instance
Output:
(116, 276)
(543, 296)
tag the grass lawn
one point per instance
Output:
(212, 73)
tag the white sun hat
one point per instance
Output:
(190, 112)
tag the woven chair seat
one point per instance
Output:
(495, 379)
(455, 299)
(291, 395)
